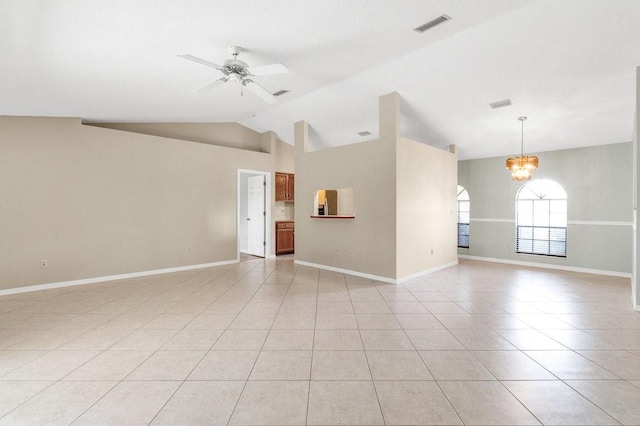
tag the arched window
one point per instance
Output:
(463, 217)
(541, 219)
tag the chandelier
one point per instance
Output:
(522, 167)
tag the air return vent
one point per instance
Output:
(439, 20)
(500, 104)
(365, 133)
(280, 92)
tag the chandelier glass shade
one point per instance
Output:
(522, 167)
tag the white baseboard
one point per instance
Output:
(95, 280)
(548, 266)
(374, 277)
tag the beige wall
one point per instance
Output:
(232, 135)
(97, 202)
(426, 207)
(285, 157)
(387, 176)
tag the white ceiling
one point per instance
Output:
(568, 65)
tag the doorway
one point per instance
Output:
(254, 213)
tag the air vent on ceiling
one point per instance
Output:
(365, 133)
(280, 92)
(500, 104)
(439, 20)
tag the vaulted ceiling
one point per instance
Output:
(568, 65)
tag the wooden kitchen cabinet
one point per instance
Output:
(285, 186)
(285, 237)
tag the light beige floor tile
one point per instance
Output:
(333, 296)
(501, 321)
(282, 365)
(371, 308)
(192, 340)
(129, 320)
(47, 340)
(241, 340)
(455, 365)
(95, 340)
(444, 308)
(246, 321)
(480, 307)
(553, 402)
(14, 393)
(225, 365)
(430, 296)
(210, 321)
(170, 321)
(397, 365)
(10, 360)
(109, 365)
(129, 403)
(336, 322)
(272, 403)
(289, 340)
(365, 295)
(386, 340)
(433, 340)
(167, 365)
(457, 321)
(60, 404)
(300, 307)
(512, 365)
(407, 307)
(486, 403)
(340, 365)
(144, 340)
(623, 364)
(342, 403)
(531, 340)
(377, 321)
(294, 321)
(415, 403)
(482, 340)
(569, 365)
(419, 322)
(578, 339)
(215, 402)
(51, 366)
(618, 398)
(262, 307)
(337, 340)
(334, 308)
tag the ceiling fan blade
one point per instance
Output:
(209, 86)
(199, 60)
(260, 91)
(268, 69)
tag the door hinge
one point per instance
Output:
(264, 213)
(264, 243)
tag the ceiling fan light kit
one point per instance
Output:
(239, 71)
(522, 167)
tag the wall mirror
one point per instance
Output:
(333, 203)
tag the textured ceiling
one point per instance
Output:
(568, 65)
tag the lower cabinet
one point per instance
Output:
(285, 237)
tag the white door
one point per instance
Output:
(256, 215)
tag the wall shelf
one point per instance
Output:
(334, 217)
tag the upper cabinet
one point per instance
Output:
(284, 186)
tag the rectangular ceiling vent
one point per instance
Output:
(500, 104)
(280, 92)
(365, 133)
(439, 20)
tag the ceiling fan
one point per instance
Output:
(237, 70)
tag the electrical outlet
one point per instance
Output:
(189, 249)
(337, 251)
(43, 263)
(350, 252)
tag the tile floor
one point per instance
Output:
(268, 342)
